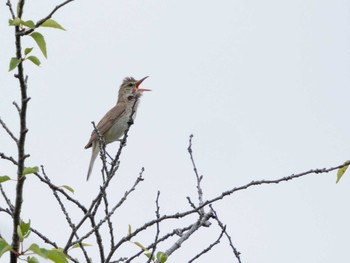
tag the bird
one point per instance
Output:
(114, 123)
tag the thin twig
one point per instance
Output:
(9, 158)
(102, 150)
(41, 21)
(223, 227)
(200, 222)
(68, 219)
(157, 230)
(123, 199)
(8, 131)
(8, 201)
(61, 191)
(109, 221)
(177, 232)
(44, 238)
(8, 3)
(198, 177)
(206, 250)
(17, 107)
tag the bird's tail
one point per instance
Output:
(95, 151)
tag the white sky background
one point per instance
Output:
(263, 86)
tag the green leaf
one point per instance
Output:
(78, 245)
(57, 256)
(14, 62)
(68, 188)
(30, 170)
(4, 247)
(342, 170)
(42, 252)
(25, 228)
(15, 22)
(129, 229)
(148, 255)
(162, 257)
(34, 59)
(27, 51)
(39, 39)
(29, 24)
(52, 23)
(4, 178)
(32, 260)
(140, 246)
(20, 234)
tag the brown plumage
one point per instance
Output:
(113, 125)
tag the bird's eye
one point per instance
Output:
(130, 85)
(130, 98)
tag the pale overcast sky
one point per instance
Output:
(262, 85)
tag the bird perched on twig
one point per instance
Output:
(113, 125)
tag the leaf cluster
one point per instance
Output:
(37, 37)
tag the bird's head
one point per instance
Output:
(130, 86)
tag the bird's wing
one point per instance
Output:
(106, 122)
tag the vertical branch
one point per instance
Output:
(22, 138)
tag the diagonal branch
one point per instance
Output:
(41, 21)
(3, 124)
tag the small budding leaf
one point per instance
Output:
(28, 23)
(4, 247)
(70, 189)
(52, 23)
(20, 234)
(149, 255)
(140, 246)
(4, 178)
(162, 257)
(15, 22)
(25, 228)
(40, 41)
(78, 245)
(32, 260)
(129, 229)
(34, 59)
(342, 170)
(28, 50)
(30, 170)
(14, 62)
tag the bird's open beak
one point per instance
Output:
(139, 83)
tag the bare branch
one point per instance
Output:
(109, 221)
(53, 187)
(44, 238)
(199, 178)
(157, 230)
(223, 227)
(177, 232)
(201, 222)
(8, 201)
(70, 243)
(8, 3)
(17, 107)
(8, 131)
(206, 250)
(9, 158)
(63, 209)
